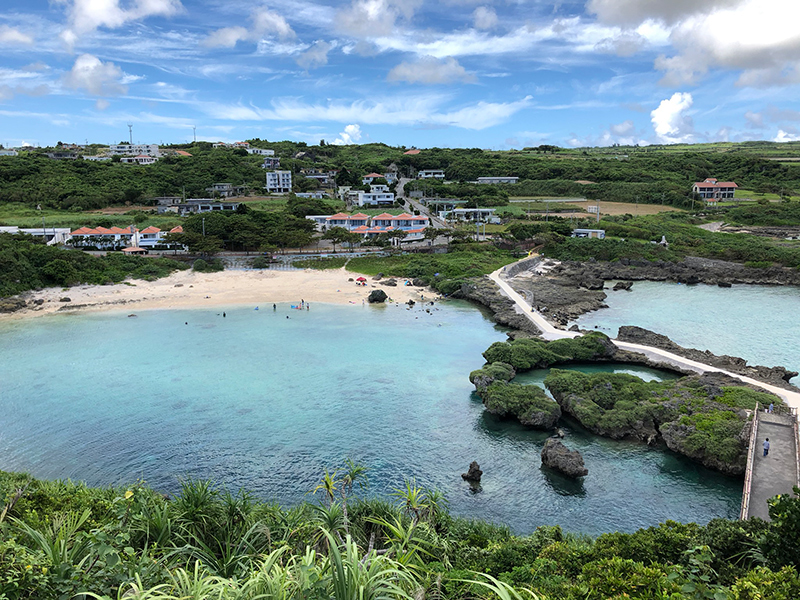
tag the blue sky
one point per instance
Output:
(490, 74)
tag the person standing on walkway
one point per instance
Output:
(766, 446)
(771, 407)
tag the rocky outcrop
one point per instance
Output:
(486, 376)
(528, 403)
(774, 375)
(556, 455)
(678, 438)
(484, 291)
(377, 296)
(474, 474)
(9, 305)
(622, 285)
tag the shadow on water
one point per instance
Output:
(561, 484)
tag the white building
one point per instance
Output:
(498, 180)
(431, 174)
(52, 235)
(261, 151)
(279, 182)
(134, 149)
(378, 195)
(9, 153)
(142, 159)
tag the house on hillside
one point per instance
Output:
(431, 174)
(497, 180)
(261, 151)
(142, 159)
(368, 179)
(134, 149)
(599, 234)
(712, 191)
(378, 195)
(279, 182)
(226, 190)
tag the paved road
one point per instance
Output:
(436, 222)
(549, 332)
(776, 473)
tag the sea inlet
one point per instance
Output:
(258, 401)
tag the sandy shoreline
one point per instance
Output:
(188, 289)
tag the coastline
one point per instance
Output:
(189, 289)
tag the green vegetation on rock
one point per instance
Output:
(530, 353)
(528, 403)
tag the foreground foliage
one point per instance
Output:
(65, 540)
(26, 264)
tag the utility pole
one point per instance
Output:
(204, 227)
(130, 133)
(194, 131)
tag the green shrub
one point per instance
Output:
(213, 265)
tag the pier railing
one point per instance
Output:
(748, 474)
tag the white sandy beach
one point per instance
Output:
(188, 289)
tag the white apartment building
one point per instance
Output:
(134, 149)
(142, 159)
(261, 151)
(431, 174)
(279, 182)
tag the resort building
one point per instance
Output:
(52, 235)
(279, 182)
(117, 238)
(497, 180)
(361, 223)
(431, 174)
(599, 234)
(134, 149)
(469, 214)
(714, 190)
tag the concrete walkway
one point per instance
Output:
(776, 473)
(550, 332)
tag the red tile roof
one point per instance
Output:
(412, 151)
(150, 229)
(715, 184)
(383, 216)
(373, 175)
(338, 216)
(359, 216)
(177, 229)
(182, 153)
(404, 216)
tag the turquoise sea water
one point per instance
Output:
(260, 401)
(758, 323)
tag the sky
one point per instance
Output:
(496, 74)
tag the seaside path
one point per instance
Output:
(776, 473)
(550, 332)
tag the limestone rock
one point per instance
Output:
(65, 299)
(377, 296)
(474, 473)
(11, 305)
(622, 285)
(557, 456)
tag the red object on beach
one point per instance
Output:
(361, 279)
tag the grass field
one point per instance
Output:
(745, 195)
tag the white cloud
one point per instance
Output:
(484, 17)
(755, 120)
(102, 104)
(670, 121)
(96, 77)
(264, 23)
(784, 136)
(315, 56)
(416, 109)
(14, 37)
(87, 15)
(625, 44)
(624, 128)
(350, 135)
(371, 18)
(430, 70)
(630, 12)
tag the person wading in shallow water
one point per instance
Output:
(766, 446)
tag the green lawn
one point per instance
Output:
(742, 194)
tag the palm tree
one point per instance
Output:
(328, 486)
(413, 498)
(354, 473)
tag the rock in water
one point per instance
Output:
(557, 456)
(474, 473)
(11, 305)
(377, 296)
(622, 285)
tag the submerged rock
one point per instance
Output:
(474, 473)
(377, 296)
(556, 455)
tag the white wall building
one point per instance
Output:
(142, 159)
(261, 151)
(279, 182)
(134, 149)
(53, 235)
(431, 174)
(498, 180)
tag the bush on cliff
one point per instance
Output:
(488, 374)
(528, 353)
(528, 403)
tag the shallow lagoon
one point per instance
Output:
(259, 401)
(758, 323)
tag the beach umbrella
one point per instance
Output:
(361, 279)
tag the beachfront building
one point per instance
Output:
(134, 150)
(118, 238)
(279, 182)
(369, 227)
(226, 190)
(497, 180)
(142, 159)
(598, 234)
(52, 235)
(713, 191)
(431, 174)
